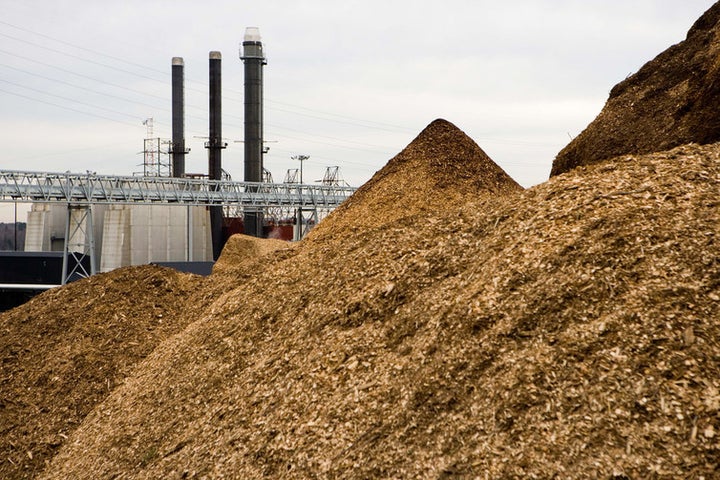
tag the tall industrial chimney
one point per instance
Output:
(215, 145)
(254, 59)
(178, 117)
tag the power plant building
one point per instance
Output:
(136, 231)
(126, 235)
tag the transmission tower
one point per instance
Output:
(332, 177)
(156, 161)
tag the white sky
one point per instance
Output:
(348, 83)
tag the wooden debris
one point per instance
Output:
(534, 334)
(64, 351)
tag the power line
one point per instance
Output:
(78, 57)
(67, 108)
(95, 52)
(326, 136)
(407, 129)
(65, 70)
(335, 121)
(85, 89)
(331, 144)
(98, 92)
(365, 124)
(69, 99)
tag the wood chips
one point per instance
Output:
(565, 331)
(64, 351)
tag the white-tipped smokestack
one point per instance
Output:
(254, 59)
(252, 34)
(178, 117)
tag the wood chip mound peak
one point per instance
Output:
(440, 169)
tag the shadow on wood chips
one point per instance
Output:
(67, 349)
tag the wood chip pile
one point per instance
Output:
(63, 352)
(566, 331)
(242, 250)
(670, 101)
(438, 170)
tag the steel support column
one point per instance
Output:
(79, 245)
(305, 220)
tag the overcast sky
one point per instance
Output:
(349, 83)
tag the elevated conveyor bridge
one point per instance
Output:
(91, 189)
(81, 191)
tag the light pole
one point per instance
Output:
(302, 158)
(299, 214)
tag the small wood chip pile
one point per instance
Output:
(566, 331)
(241, 250)
(63, 352)
(672, 100)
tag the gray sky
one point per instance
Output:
(348, 83)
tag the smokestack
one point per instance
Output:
(215, 145)
(254, 59)
(178, 117)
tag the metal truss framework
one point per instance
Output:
(305, 219)
(81, 191)
(79, 243)
(91, 189)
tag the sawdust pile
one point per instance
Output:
(567, 331)
(441, 168)
(670, 101)
(64, 352)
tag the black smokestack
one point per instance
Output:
(215, 142)
(215, 145)
(178, 117)
(254, 59)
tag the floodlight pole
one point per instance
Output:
(301, 158)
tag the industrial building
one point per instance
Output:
(102, 222)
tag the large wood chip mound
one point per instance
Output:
(566, 331)
(672, 100)
(441, 168)
(64, 351)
